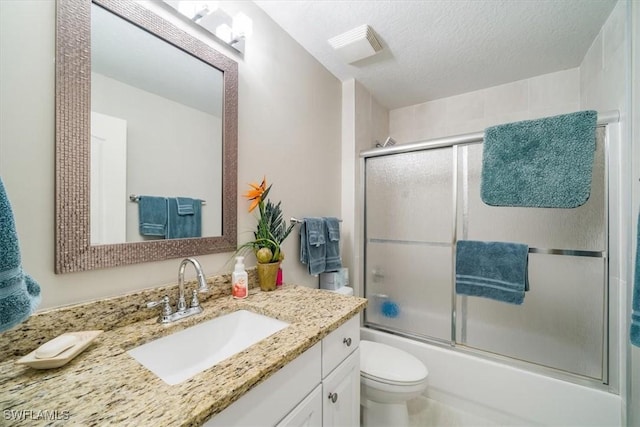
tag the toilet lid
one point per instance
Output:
(390, 364)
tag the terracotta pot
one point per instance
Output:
(267, 274)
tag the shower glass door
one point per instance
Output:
(409, 229)
(418, 204)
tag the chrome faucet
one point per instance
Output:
(167, 315)
(202, 283)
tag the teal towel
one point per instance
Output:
(313, 249)
(185, 205)
(19, 293)
(545, 163)
(183, 226)
(152, 216)
(496, 270)
(333, 261)
(635, 313)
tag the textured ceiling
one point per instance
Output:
(435, 49)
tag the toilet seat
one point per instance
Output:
(391, 383)
(388, 365)
(398, 390)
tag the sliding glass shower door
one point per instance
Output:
(419, 203)
(409, 229)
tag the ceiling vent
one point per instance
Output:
(356, 44)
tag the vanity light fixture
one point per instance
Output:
(224, 33)
(356, 44)
(236, 34)
(209, 15)
(194, 10)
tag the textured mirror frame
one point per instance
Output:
(74, 251)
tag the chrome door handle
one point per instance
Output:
(347, 342)
(333, 397)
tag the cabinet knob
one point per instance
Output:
(347, 342)
(333, 397)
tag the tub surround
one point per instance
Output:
(104, 385)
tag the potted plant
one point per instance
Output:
(270, 232)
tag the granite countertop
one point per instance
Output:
(105, 386)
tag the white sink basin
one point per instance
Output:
(178, 357)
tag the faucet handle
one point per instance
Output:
(166, 307)
(182, 303)
(194, 299)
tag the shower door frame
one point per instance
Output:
(609, 381)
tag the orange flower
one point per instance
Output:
(255, 194)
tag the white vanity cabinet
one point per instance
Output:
(320, 388)
(341, 376)
(269, 402)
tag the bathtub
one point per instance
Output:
(504, 394)
(517, 343)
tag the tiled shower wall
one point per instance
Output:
(604, 86)
(540, 96)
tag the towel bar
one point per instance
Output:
(135, 198)
(299, 221)
(571, 252)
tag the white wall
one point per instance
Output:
(289, 130)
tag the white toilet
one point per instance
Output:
(389, 377)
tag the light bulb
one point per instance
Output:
(242, 25)
(223, 32)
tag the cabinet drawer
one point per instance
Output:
(339, 344)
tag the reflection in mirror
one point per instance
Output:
(156, 115)
(156, 130)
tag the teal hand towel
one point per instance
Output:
(544, 163)
(19, 293)
(185, 205)
(635, 305)
(495, 270)
(152, 216)
(183, 226)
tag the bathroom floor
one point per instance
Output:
(424, 412)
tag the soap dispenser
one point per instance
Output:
(239, 280)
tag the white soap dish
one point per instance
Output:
(82, 341)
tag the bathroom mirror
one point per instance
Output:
(169, 101)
